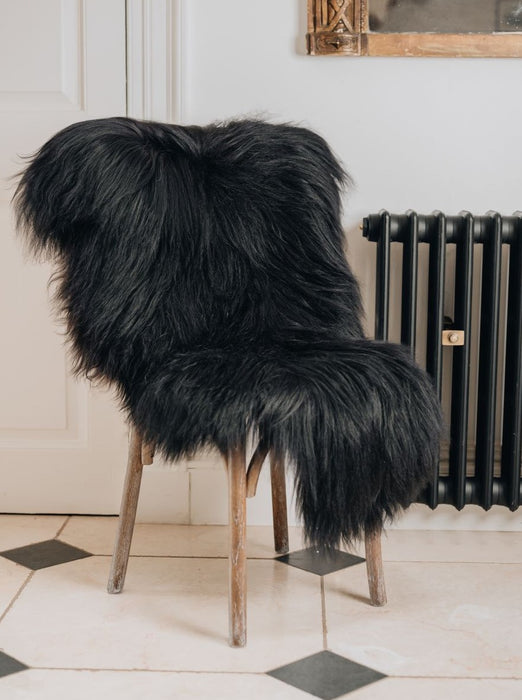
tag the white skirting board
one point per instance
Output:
(199, 496)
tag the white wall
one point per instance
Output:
(414, 133)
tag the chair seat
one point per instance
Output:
(205, 396)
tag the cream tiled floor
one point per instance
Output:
(452, 627)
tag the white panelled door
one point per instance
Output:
(62, 443)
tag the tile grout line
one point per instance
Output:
(273, 558)
(17, 595)
(189, 505)
(190, 556)
(446, 561)
(462, 678)
(62, 526)
(145, 670)
(323, 616)
(255, 673)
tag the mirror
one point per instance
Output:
(415, 27)
(445, 16)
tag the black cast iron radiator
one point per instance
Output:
(487, 309)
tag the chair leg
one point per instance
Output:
(279, 509)
(372, 543)
(237, 594)
(129, 504)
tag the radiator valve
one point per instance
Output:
(452, 337)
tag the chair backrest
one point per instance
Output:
(171, 238)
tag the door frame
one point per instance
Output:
(156, 59)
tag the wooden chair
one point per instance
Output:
(242, 484)
(201, 272)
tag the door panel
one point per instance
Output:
(62, 443)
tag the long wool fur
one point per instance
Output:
(201, 271)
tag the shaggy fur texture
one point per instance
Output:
(202, 272)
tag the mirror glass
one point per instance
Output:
(445, 16)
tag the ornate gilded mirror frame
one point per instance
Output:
(341, 27)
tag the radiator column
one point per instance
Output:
(461, 362)
(382, 292)
(488, 359)
(511, 452)
(409, 284)
(436, 279)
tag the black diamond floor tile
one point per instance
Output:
(320, 563)
(43, 554)
(9, 665)
(326, 675)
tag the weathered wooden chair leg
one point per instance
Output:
(129, 504)
(279, 509)
(372, 543)
(237, 594)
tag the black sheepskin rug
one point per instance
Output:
(201, 271)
